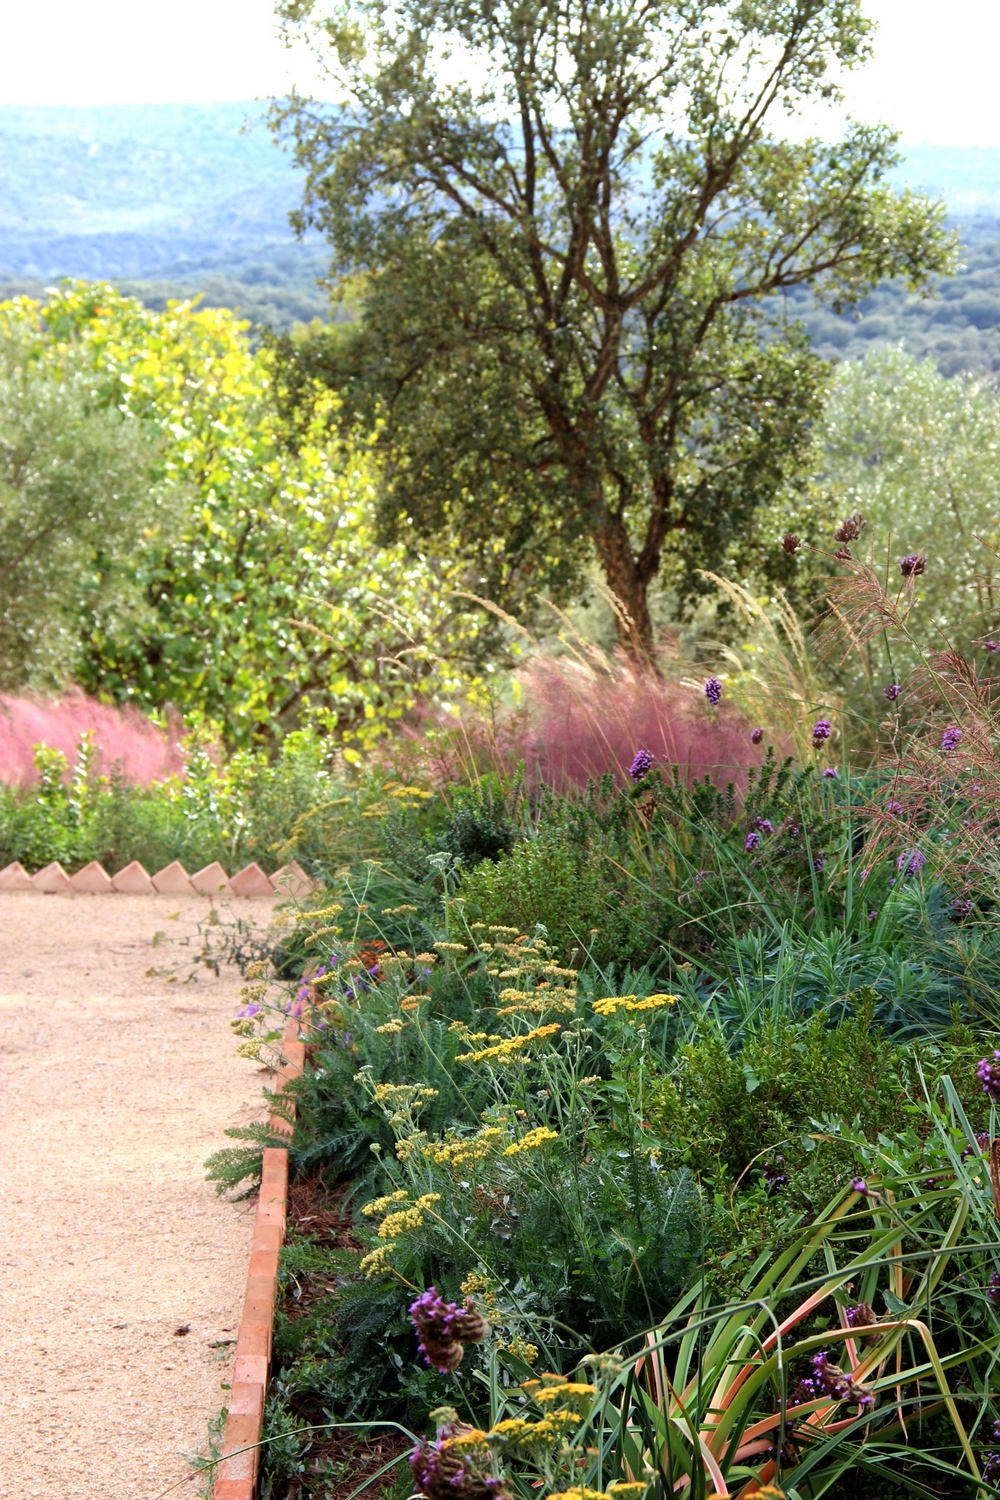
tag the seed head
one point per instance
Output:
(851, 529)
(790, 542)
(913, 565)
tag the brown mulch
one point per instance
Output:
(359, 1458)
(318, 1211)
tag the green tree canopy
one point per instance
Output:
(573, 220)
(269, 603)
(78, 498)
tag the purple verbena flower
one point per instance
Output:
(443, 1327)
(822, 730)
(962, 909)
(892, 692)
(775, 1175)
(912, 862)
(990, 646)
(641, 764)
(895, 808)
(913, 565)
(982, 1144)
(872, 916)
(752, 841)
(763, 825)
(829, 774)
(859, 1185)
(860, 1316)
(950, 739)
(988, 1074)
(756, 735)
(713, 690)
(819, 864)
(993, 1289)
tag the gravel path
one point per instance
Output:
(117, 1083)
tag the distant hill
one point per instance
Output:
(169, 200)
(165, 200)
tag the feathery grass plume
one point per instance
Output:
(773, 677)
(145, 752)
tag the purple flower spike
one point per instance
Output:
(443, 1327)
(713, 691)
(819, 864)
(822, 730)
(912, 862)
(642, 764)
(962, 909)
(752, 841)
(756, 735)
(988, 1074)
(829, 774)
(993, 1290)
(990, 646)
(892, 692)
(913, 565)
(895, 808)
(950, 739)
(859, 1185)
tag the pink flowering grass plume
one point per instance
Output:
(145, 752)
(444, 1328)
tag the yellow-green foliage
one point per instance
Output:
(274, 601)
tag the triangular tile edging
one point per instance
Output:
(14, 877)
(173, 880)
(212, 880)
(92, 880)
(52, 881)
(251, 881)
(133, 881)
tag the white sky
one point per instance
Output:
(934, 75)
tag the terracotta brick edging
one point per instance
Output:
(236, 1475)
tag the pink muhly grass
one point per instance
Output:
(579, 719)
(146, 753)
(588, 722)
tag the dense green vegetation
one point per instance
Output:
(652, 997)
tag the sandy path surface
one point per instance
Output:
(116, 1084)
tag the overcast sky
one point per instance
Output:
(934, 74)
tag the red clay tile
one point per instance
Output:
(173, 880)
(292, 880)
(212, 880)
(92, 880)
(14, 877)
(251, 881)
(132, 881)
(52, 881)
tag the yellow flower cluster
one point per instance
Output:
(567, 1390)
(533, 1138)
(613, 1003)
(458, 1152)
(407, 1218)
(538, 1001)
(521, 1349)
(250, 1048)
(397, 911)
(392, 1028)
(382, 1205)
(451, 948)
(377, 1263)
(508, 1049)
(619, 1489)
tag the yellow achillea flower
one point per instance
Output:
(407, 1218)
(464, 1151)
(397, 911)
(392, 1028)
(382, 1205)
(474, 1438)
(581, 1492)
(509, 1047)
(249, 1049)
(536, 1137)
(571, 1388)
(613, 1003)
(377, 1263)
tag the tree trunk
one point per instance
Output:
(621, 573)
